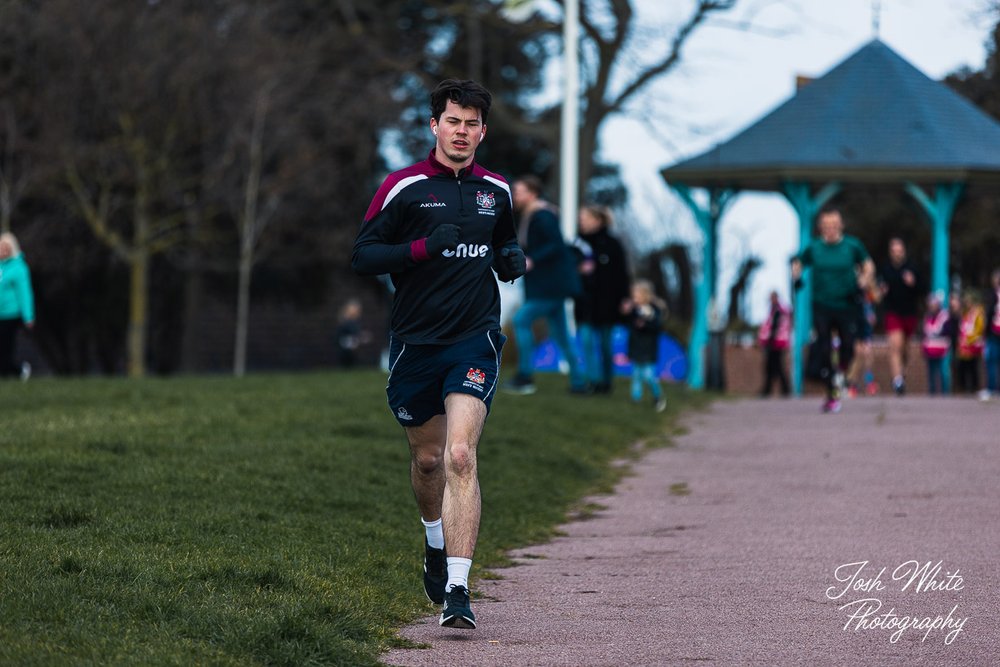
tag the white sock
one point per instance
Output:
(458, 572)
(435, 535)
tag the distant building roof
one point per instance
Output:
(872, 118)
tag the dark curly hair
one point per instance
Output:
(464, 93)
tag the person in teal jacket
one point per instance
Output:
(842, 270)
(17, 304)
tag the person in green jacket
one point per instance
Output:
(841, 268)
(17, 304)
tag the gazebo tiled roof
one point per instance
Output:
(873, 117)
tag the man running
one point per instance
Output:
(841, 269)
(441, 227)
(901, 295)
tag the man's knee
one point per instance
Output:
(466, 415)
(428, 460)
(427, 444)
(461, 458)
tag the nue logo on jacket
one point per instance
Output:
(467, 250)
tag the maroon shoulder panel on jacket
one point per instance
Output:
(394, 184)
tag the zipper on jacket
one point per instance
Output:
(461, 199)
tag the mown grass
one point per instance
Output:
(263, 521)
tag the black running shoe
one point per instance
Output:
(457, 613)
(435, 573)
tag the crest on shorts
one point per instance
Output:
(485, 199)
(476, 375)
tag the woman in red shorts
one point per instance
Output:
(901, 294)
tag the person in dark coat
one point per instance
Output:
(605, 279)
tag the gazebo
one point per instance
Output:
(873, 118)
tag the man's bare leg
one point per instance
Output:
(896, 359)
(427, 443)
(461, 504)
(427, 447)
(443, 470)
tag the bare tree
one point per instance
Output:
(149, 235)
(252, 223)
(198, 148)
(265, 119)
(115, 125)
(611, 84)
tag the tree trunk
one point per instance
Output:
(6, 175)
(249, 228)
(192, 307)
(242, 310)
(139, 267)
(138, 309)
(193, 285)
(588, 148)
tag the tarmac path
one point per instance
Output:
(757, 540)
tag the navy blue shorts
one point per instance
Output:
(420, 376)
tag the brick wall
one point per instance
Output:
(744, 368)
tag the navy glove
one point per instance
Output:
(444, 237)
(510, 264)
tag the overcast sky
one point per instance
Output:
(732, 77)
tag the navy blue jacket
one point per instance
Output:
(554, 272)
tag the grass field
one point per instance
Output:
(262, 521)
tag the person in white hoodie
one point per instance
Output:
(17, 304)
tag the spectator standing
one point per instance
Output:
(17, 305)
(955, 315)
(970, 343)
(605, 280)
(901, 292)
(551, 278)
(992, 352)
(645, 314)
(774, 338)
(350, 336)
(935, 344)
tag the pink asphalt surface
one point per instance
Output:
(725, 548)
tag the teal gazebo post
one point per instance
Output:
(939, 210)
(707, 218)
(806, 205)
